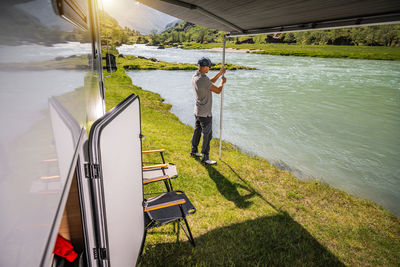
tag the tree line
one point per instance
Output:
(381, 35)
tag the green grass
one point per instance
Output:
(325, 51)
(250, 213)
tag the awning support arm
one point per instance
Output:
(222, 97)
(206, 13)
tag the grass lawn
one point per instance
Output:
(250, 213)
(326, 51)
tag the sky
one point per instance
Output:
(134, 15)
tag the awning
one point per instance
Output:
(246, 17)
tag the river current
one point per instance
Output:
(334, 120)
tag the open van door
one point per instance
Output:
(115, 170)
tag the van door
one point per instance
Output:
(115, 166)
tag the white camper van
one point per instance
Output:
(69, 169)
(49, 165)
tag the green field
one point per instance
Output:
(250, 213)
(326, 51)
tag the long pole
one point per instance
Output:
(222, 100)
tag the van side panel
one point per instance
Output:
(42, 56)
(123, 187)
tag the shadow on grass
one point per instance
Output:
(254, 191)
(273, 240)
(230, 190)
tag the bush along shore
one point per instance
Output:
(250, 213)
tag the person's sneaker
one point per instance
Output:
(196, 154)
(209, 162)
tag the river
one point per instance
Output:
(334, 120)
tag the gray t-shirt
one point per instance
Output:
(203, 96)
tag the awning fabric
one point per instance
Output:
(245, 17)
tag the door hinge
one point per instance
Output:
(95, 254)
(100, 253)
(92, 171)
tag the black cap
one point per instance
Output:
(205, 61)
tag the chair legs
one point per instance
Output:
(187, 229)
(179, 224)
(168, 185)
(185, 226)
(187, 232)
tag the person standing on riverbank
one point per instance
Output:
(203, 88)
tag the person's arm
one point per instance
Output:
(215, 78)
(218, 89)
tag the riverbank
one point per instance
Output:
(324, 51)
(251, 213)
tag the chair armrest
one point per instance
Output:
(156, 179)
(158, 166)
(153, 151)
(165, 205)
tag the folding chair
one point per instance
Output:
(172, 206)
(159, 172)
(169, 207)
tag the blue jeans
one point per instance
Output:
(202, 125)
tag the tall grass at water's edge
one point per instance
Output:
(250, 213)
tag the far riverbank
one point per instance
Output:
(323, 51)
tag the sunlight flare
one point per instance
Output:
(107, 3)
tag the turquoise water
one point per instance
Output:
(335, 120)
